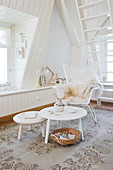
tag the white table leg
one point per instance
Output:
(80, 128)
(59, 124)
(42, 128)
(30, 127)
(47, 131)
(20, 132)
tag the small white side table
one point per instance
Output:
(22, 120)
(65, 115)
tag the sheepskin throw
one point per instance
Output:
(80, 93)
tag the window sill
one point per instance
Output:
(6, 93)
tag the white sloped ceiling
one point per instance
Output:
(10, 16)
(27, 6)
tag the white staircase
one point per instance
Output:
(107, 93)
(97, 29)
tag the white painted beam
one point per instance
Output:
(34, 51)
(41, 49)
(81, 23)
(30, 78)
(67, 22)
(74, 17)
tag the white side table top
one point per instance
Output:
(65, 115)
(22, 118)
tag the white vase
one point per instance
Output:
(58, 108)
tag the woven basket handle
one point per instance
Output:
(56, 138)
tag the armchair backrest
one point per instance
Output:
(82, 75)
(71, 73)
(78, 74)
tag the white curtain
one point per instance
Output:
(5, 37)
(3, 65)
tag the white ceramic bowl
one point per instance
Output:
(71, 109)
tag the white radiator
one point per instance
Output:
(17, 101)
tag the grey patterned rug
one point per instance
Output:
(31, 153)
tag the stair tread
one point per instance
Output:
(96, 29)
(92, 4)
(91, 52)
(108, 90)
(106, 98)
(104, 39)
(96, 16)
(107, 83)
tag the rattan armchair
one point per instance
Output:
(76, 75)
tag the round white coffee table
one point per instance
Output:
(50, 114)
(28, 118)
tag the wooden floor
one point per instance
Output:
(9, 118)
(104, 106)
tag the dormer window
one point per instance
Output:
(3, 65)
(4, 44)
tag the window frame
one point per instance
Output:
(106, 62)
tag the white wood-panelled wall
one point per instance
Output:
(26, 99)
(34, 63)
(43, 10)
(27, 6)
(18, 101)
(28, 28)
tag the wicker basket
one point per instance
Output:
(71, 131)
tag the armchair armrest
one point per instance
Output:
(97, 91)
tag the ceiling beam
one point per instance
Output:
(67, 23)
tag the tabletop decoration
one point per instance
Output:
(59, 106)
